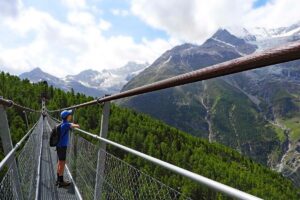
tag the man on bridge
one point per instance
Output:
(62, 145)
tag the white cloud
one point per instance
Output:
(276, 13)
(104, 25)
(190, 20)
(74, 4)
(195, 20)
(10, 7)
(62, 48)
(82, 18)
(69, 47)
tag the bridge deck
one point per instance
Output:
(48, 189)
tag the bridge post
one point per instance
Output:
(26, 118)
(7, 147)
(44, 107)
(101, 156)
(74, 151)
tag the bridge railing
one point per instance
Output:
(18, 168)
(99, 164)
(9, 103)
(115, 179)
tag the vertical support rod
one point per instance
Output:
(7, 147)
(74, 151)
(101, 156)
(26, 119)
(44, 107)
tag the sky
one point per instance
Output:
(68, 36)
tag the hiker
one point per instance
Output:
(62, 145)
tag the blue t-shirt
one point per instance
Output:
(64, 134)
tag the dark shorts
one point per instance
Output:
(61, 153)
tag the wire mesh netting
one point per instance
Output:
(82, 159)
(121, 180)
(26, 171)
(28, 162)
(7, 186)
(117, 179)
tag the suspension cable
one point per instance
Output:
(10, 103)
(274, 56)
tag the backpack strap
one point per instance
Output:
(61, 135)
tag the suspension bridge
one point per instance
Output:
(29, 167)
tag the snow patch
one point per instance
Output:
(228, 44)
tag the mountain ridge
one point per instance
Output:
(90, 82)
(250, 111)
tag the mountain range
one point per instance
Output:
(255, 112)
(90, 82)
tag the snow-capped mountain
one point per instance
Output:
(37, 75)
(110, 81)
(98, 83)
(266, 38)
(90, 82)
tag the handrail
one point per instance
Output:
(277, 55)
(10, 103)
(235, 193)
(16, 147)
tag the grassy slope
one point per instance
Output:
(294, 125)
(237, 122)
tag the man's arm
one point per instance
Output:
(75, 125)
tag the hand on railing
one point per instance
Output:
(73, 125)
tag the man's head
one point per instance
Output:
(66, 115)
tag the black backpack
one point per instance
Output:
(55, 136)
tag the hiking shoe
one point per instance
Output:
(63, 183)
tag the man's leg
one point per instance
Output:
(57, 165)
(61, 167)
(61, 152)
(59, 171)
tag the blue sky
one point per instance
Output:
(129, 25)
(260, 3)
(68, 36)
(121, 25)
